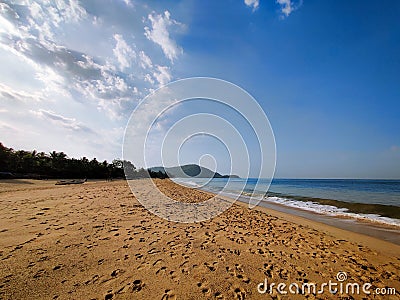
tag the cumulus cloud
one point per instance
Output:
(288, 6)
(145, 61)
(252, 3)
(162, 75)
(123, 52)
(159, 34)
(66, 71)
(45, 16)
(32, 37)
(149, 78)
(74, 53)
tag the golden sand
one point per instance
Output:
(96, 241)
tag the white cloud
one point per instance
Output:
(7, 128)
(288, 6)
(123, 52)
(148, 78)
(128, 3)
(71, 65)
(47, 15)
(162, 75)
(7, 93)
(68, 123)
(159, 34)
(70, 10)
(68, 72)
(145, 61)
(64, 71)
(252, 3)
(7, 16)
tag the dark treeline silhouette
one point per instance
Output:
(41, 165)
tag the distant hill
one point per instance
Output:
(191, 170)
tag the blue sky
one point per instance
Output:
(325, 72)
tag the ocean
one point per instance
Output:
(374, 201)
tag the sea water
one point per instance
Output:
(376, 201)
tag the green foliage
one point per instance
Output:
(31, 164)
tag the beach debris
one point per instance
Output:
(72, 181)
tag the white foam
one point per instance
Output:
(332, 210)
(187, 183)
(314, 207)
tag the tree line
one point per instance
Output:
(41, 165)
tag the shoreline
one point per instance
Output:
(379, 230)
(376, 203)
(351, 228)
(388, 244)
(374, 242)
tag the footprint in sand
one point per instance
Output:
(243, 278)
(153, 251)
(138, 255)
(212, 267)
(174, 276)
(221, 257)
(94, 279)
(218, 296)
(157, 261)
(204, 289)
(283, 274)
(162, 269)
(39, 273)
(236, 272)
(169, 295)
(268, 270)
(240, 293)
(185, 271)
(109, 296)
(239, 267)
(116, 272)
(137, 285)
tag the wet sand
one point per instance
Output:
(96, 241)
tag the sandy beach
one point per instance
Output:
(96, 241)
